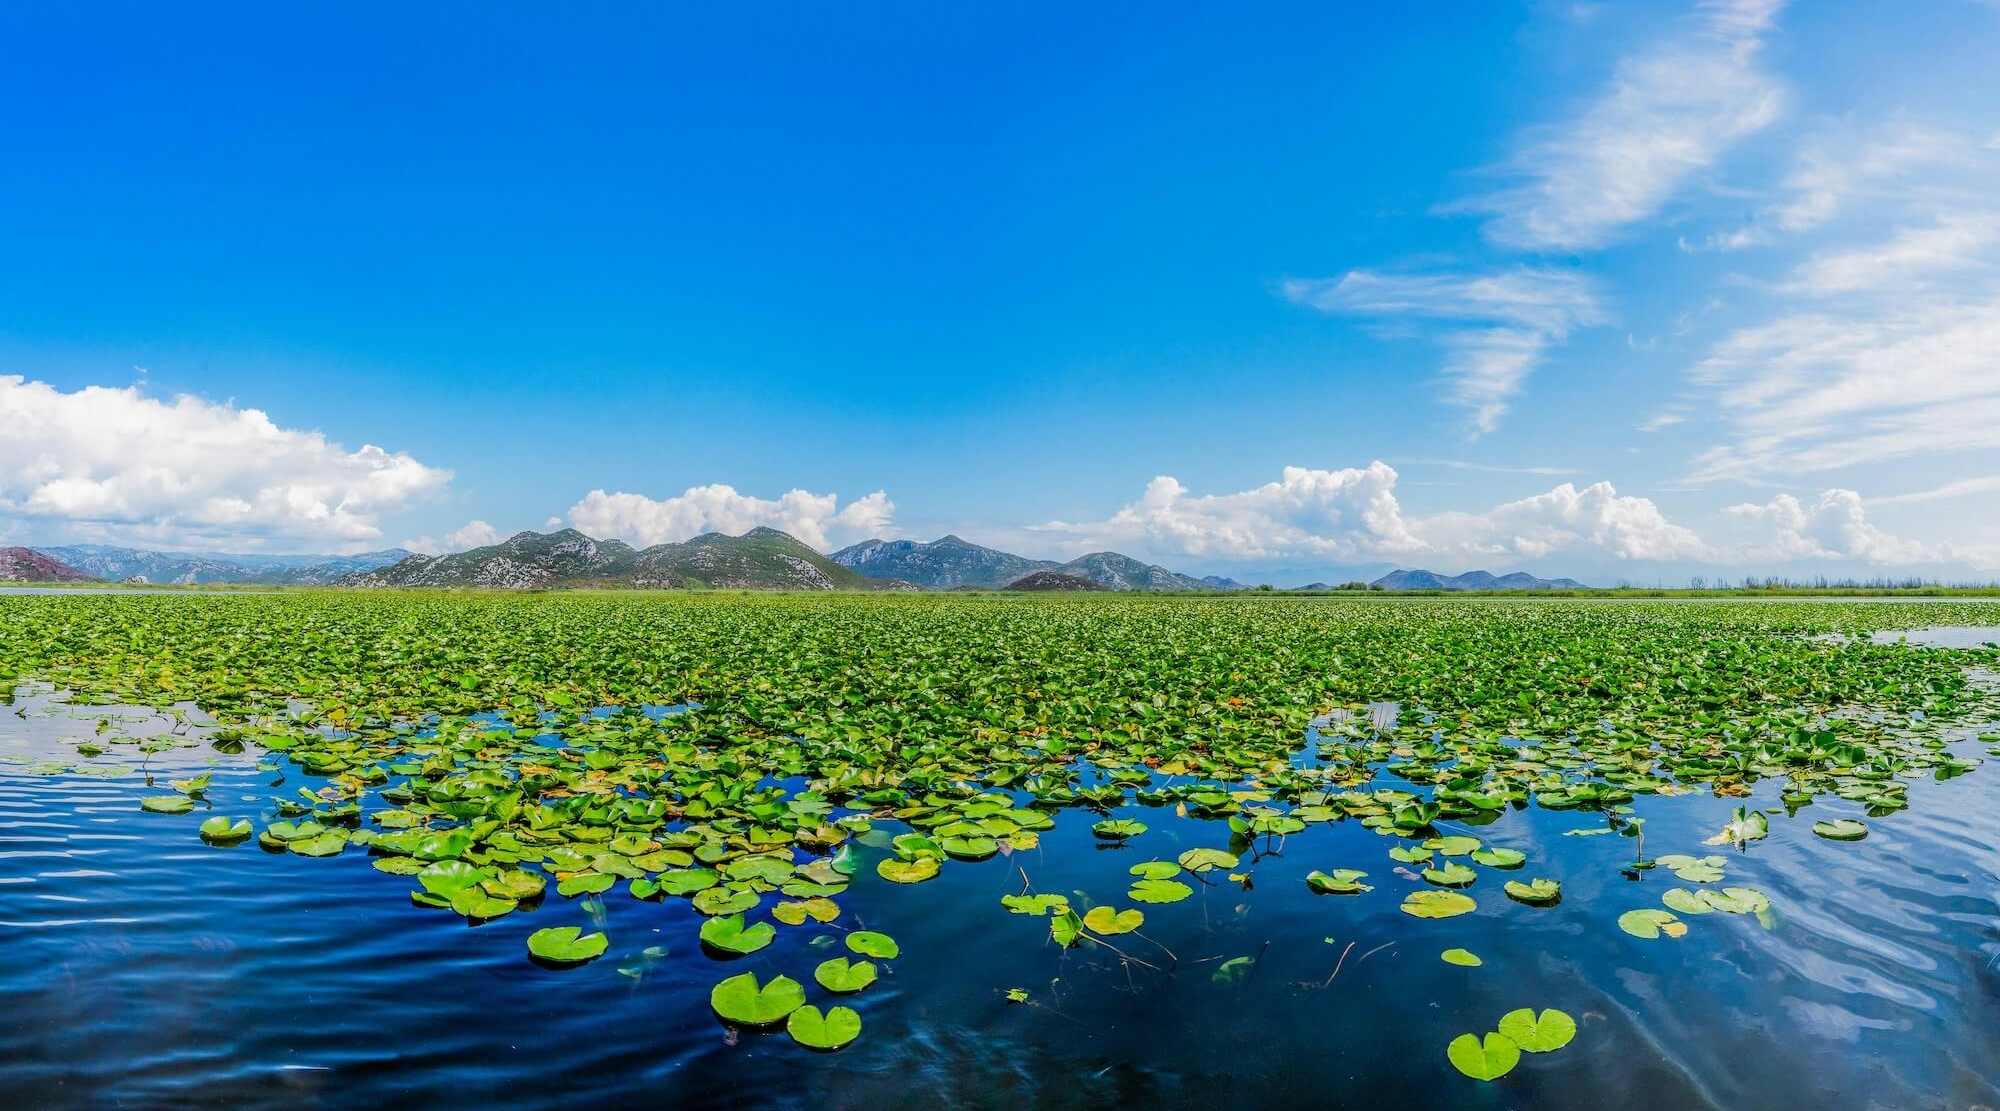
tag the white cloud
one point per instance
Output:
(817, 519)
(1668, 114)
(1336, 514)
(1907, 262)
(1511, 318)
(1595, 519)
(1834, 527)
(114, 464)
(1874, 352)
(475, 534)
(1958, 488)
(1353, 514)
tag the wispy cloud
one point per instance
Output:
(1508, 321)
(1909, 260)
(1961, 488)
(1669, 113)
(1488, 468)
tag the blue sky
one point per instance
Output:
(1622, 291)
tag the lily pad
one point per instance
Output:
(1453, 846)
(1159, 891)
(1536, 892)
(740, 1000)
(1035, 904)
(1543, 1033)
(167, 804)
(1340, 881)
(1648, 923)
(796, 913)
(840, 975)
(1105, 920)
(1450, 874)
(566, 945)
(1410, 854)
(1464, 958)
(225, 831)
(731, 936)
(868, 943)
(719, 901)
(1155, 870)
(1118, 829)
(1438, 904)
(1845, 829)
(837, 1027)
(907, 871)
(1207, 860)
(1490, 1059)
(1500, 858)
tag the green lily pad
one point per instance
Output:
(1118, 829)
(330, 843)
(1207, 860)
(586, 883)
(1450, 874)
(1035, 904)
(907, 871)
(167, 804)
(1500, 858)
(566, 945)
(1490, 1059)
(1737, 900)
(477, 904)
(837, 1027)
(840, 975)
(686, 881)
(1685, 901)
(868, 943)
(1845, 829)
(719, 901)
(1464, 958)
(1341, 881)
(1693, 869)
(796, 913)
(1536, 892)
(1159, 891)
(225, 831)
(1410, 854)
(1155, 870)
(1438, 904)
(1105, 920)
(1544, 1033)
(740, 1000)
(731, 936)
(1065, 928)
(1456, 845)
(1648, 923)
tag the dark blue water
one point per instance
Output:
(143, 969)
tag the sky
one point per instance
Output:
(1629, 292)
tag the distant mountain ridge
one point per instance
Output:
(202, 568)
(761, 559)
(947, 563)
(26, 565)
(954, 563)
(1471, 581)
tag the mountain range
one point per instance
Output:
(29, 565)
(101, 561)
(761, 559)
(953, 563)
(1470, 580)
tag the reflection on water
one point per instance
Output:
(1943, 636)
(145, 969)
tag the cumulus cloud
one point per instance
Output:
(817, 519)
(1669, 113)
(474, 534)
(116, 464)
(1353, 514)
(1338, 514)
(1835, 526)
(1508, 320)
